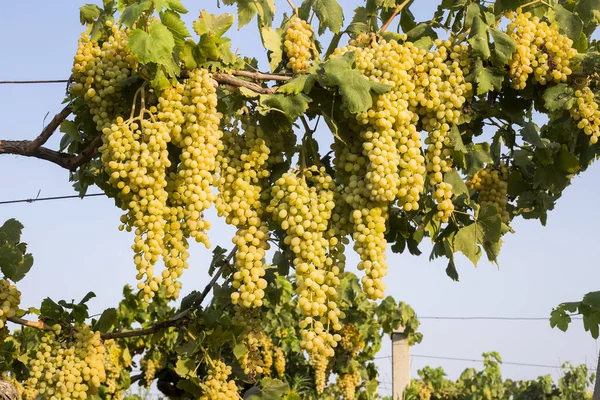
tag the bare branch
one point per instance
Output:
(48, 130)
(20, 148)
(394, 14)
(223, 78)
(32, 324)
(260, 76)
(31, 82)
(86, 154)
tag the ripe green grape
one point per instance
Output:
(347, 384)
(10, 298)
(320, 365)
(541, 51)
(279, 362)
(492, 185)
(298, 44)
(586, 113)
(302, 203)
(67, 368)
(217, 385)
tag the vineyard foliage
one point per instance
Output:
(446, 129)
(487, 384)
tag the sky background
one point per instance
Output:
(77, 246)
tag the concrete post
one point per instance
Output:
(400, 363)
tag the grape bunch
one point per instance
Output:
(347, 384)
(320, 365)
(244, 165)
(586, 113)
(279, 361)
(10, 298)
(298, 44)
(113, 366)
(302, 203)
(217, 385)
(542, 52)
(351, 340)
(492, 185)
(99, 69)
(69, 368)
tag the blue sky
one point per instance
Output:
(77, 246)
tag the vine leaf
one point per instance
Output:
(213, 24)
(329, 13)
(569, 23)
(14, 261)
(487, 79)
(530, 135)
(354, 88)
(131, 14)
(477, 157)
(268, 389)
(485, 230)
(155, 46)
(589, 11)
(458, 184)
(559, 97)
(479, 38)
(299, 84)
(291, 106)
(106, 321)
(466, 241)
(89, 13)
(504, 47)
(272, 41)
(174, 5)
(173, 22)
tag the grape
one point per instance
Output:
(541, 51)
(302, 203)
(320, 365)
(216, 386)
(244, 164)
(492, 185)
(348, 383)
(67, 369)
(279, 362)
(10, 298)
(351, 340)
(298, 44)
(586, 113)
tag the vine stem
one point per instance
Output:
(159, 326)
(394, 15)
(294, 8)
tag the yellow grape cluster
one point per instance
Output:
(255, 359)
(320, 365)
(279, 361)
(347, 384)
(492, 185)
(441, 93)
(217, 385)
(302, 203)
(391, 143)
(164, 206)
(135, 156)
(98, 71)
(351, 340)
(10, 298)
(189, 110)
(541, 51)
(151, 365)
(113, 366)
(298, 44)
(244, 164)
(586, 113)
(67, 369)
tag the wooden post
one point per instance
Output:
(597, 383)
(400, 363)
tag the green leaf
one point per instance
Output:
(153, 47)
(479, 38)
(466, 241)
(87, 297)
(530, 135)
(569, 23)
(560, 319)
(504, 46)
(458, 185)
(240, 350)
(456, 141)
(492, 250)
(473, 11)
(567, 161)
(133, 12)
(107, 320)
(70, 129)
(589, 11)
(273, 389)
(488, 79)
(592, 299)
(292, 106)
(174, 5)
(173, 22)
(16, 272)
(189, 54)
(185, 367)
(477, 157)
(11, 231)
(299, 84)
(246, 11)
(272, 41)
(89, 13)
(559, 97)
(212, 24)
(330, 14)
(489, 223)
(354, 88)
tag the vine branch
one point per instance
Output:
(159, 326)
(48, 130)
(394, 15)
